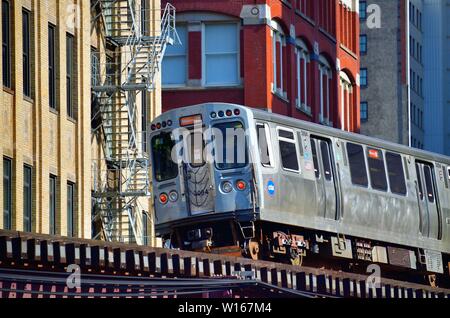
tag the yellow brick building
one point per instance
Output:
(52, 152)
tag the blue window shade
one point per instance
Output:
(221, 54)
(175, 61)
(363, 10)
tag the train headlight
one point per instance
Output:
(173, 196)
(227, 187)
(241, 185)
(163, 198)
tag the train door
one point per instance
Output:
(430, 224)
(197, 175)
(326, 176)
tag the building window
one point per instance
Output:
(145, 228)
(52, 66)
(303, 62)
(364, 111)
(278, 51)
(363, 43)
(7, 194)
(175, 60)
(325, 76)
(221, 54)
(363, 77)
(70, 75)
(27, 198)
(70, 209)
(304, 6)
(26, 45)
(347, 102)
(144, 121)
(6, 43)
(52, 202)
(363, 10)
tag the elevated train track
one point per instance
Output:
(34, 257)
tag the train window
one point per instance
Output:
(396, 173)
(288, 150)
(429, 183)
(377, 169)
(419, 181)
(325, 150)
(316, 161)
(263, 143)
(230, 146)
(357, 162)
(196, 146)
(164, 167)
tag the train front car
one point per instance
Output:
(203, 179)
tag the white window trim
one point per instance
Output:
(238, 55)
(302, 56)
(278, 36)
(186, 55)
(346, 90)
(324, 69)
(292, 141)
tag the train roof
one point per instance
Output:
(325, 130)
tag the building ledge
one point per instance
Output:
(305, 17)
(348, 51)
(9, 90)
(200, 88)
(328, 35)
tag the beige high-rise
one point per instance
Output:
(52, 152)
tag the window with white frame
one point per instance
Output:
(221, 54)
(278, 48)
(302, 60)
(175, 61)
(346, 101)
(325, 77)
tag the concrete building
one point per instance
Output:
(392, 97)
(436, 26)
(299, 58)
(58, 168)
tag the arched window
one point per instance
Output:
(302, 60)
(278, 57)
(325, 77)
(346, 101)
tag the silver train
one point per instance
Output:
(304, 192)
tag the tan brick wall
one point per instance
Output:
(34, 134)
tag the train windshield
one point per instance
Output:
(230, 146)
(164, 167)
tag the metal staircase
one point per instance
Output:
(128, 71)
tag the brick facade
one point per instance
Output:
(328, 28)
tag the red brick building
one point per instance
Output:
(299, 58)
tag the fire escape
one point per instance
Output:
(129, 70)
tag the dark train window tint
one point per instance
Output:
(357, 162)
(263, 145)
(324, 148)
(288, 150)
(377, 169)
(396, 173)
(316, 161)
(419, 181)
(286, 134)
(163, 165)
(429, 183)
(289, 155)
(231, 147)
